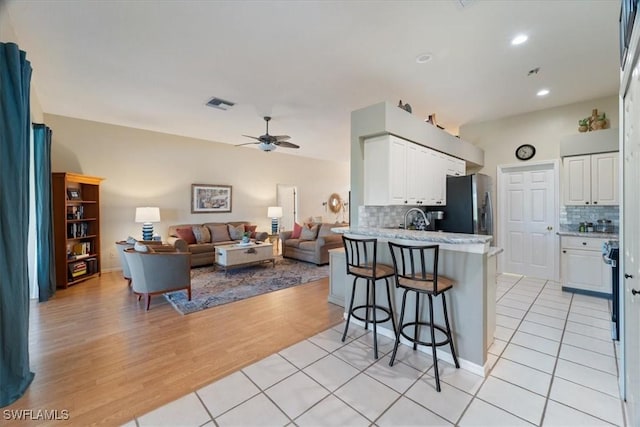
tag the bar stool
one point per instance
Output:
(361, 255)
(409, 263)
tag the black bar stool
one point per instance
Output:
(361, 255)
(412, 276)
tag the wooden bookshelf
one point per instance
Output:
(76, 227)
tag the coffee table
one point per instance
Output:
(238, 255)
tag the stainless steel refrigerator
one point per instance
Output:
(468, 208)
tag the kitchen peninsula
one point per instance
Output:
(378, 205)
(468, 259)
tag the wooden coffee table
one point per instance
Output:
(239, 255)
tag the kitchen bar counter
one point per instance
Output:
(467, 259)
(593, 234)
(472, 243)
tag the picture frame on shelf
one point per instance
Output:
(74, 194)
(208, 198)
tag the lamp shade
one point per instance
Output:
(147, 214)
(274, 212)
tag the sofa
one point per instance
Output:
(309, 247)
(200, 239)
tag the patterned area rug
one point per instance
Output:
(211, 287)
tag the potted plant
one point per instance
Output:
(245, 237)
(583, 125)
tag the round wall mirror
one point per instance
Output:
(335, 203)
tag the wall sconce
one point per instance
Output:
(147, 216)
(274, 212)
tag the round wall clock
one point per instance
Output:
(525, 152)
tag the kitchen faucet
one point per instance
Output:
(424, 216)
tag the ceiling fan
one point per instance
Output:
(268, 142)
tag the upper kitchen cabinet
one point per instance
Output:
(399, 172)
(591, 179)
(456, 167)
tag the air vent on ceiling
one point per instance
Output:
(220, 103)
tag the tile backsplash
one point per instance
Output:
(572, 216)
(381, 216)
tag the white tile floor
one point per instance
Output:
(553, 364)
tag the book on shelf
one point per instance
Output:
(77, 269)
(78, 229)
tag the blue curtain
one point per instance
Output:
(44, 212)
(15, 77)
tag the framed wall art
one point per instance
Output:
(206, 198)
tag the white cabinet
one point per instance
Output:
(604, 179)
(399, 172)
(385, 171)
(582, 267)
(456, 167)
(437, 178)
(591, 179)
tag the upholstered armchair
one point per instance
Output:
(126, 271)
(158, 272)
(121, 246)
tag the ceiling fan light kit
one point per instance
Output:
(268, 142)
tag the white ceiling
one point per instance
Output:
(154, 64)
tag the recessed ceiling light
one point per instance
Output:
(543, 92)
(519, 39)
(424, 57)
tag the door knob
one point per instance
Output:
(634, 292)
(628, 276)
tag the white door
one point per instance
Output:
(287, 197)
(527, 219)
(630, 246)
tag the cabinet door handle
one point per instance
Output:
(595, 203)
(564, 252)
(634, 292)
(628, 276)
(584, 243)
(586, 203)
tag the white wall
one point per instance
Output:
(144, 168)
(7, 34)
(543, 129)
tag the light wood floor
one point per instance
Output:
(97, 353)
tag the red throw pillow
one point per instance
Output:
(297, 229)
(251, 229)
(186, 234)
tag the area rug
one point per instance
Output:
(211, 286)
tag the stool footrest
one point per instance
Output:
(371, 307)
(427, 343)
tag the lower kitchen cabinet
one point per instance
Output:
(582, 268)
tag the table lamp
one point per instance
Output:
(147, 216)
(275, 213)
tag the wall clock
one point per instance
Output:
(525, 152)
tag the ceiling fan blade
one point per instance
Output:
(286, 144)
(281, 137)
(247, 143)
(252, 137)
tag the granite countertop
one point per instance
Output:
(473, 243)
(592, 234)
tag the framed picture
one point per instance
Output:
(207, 198)
(73, 193)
